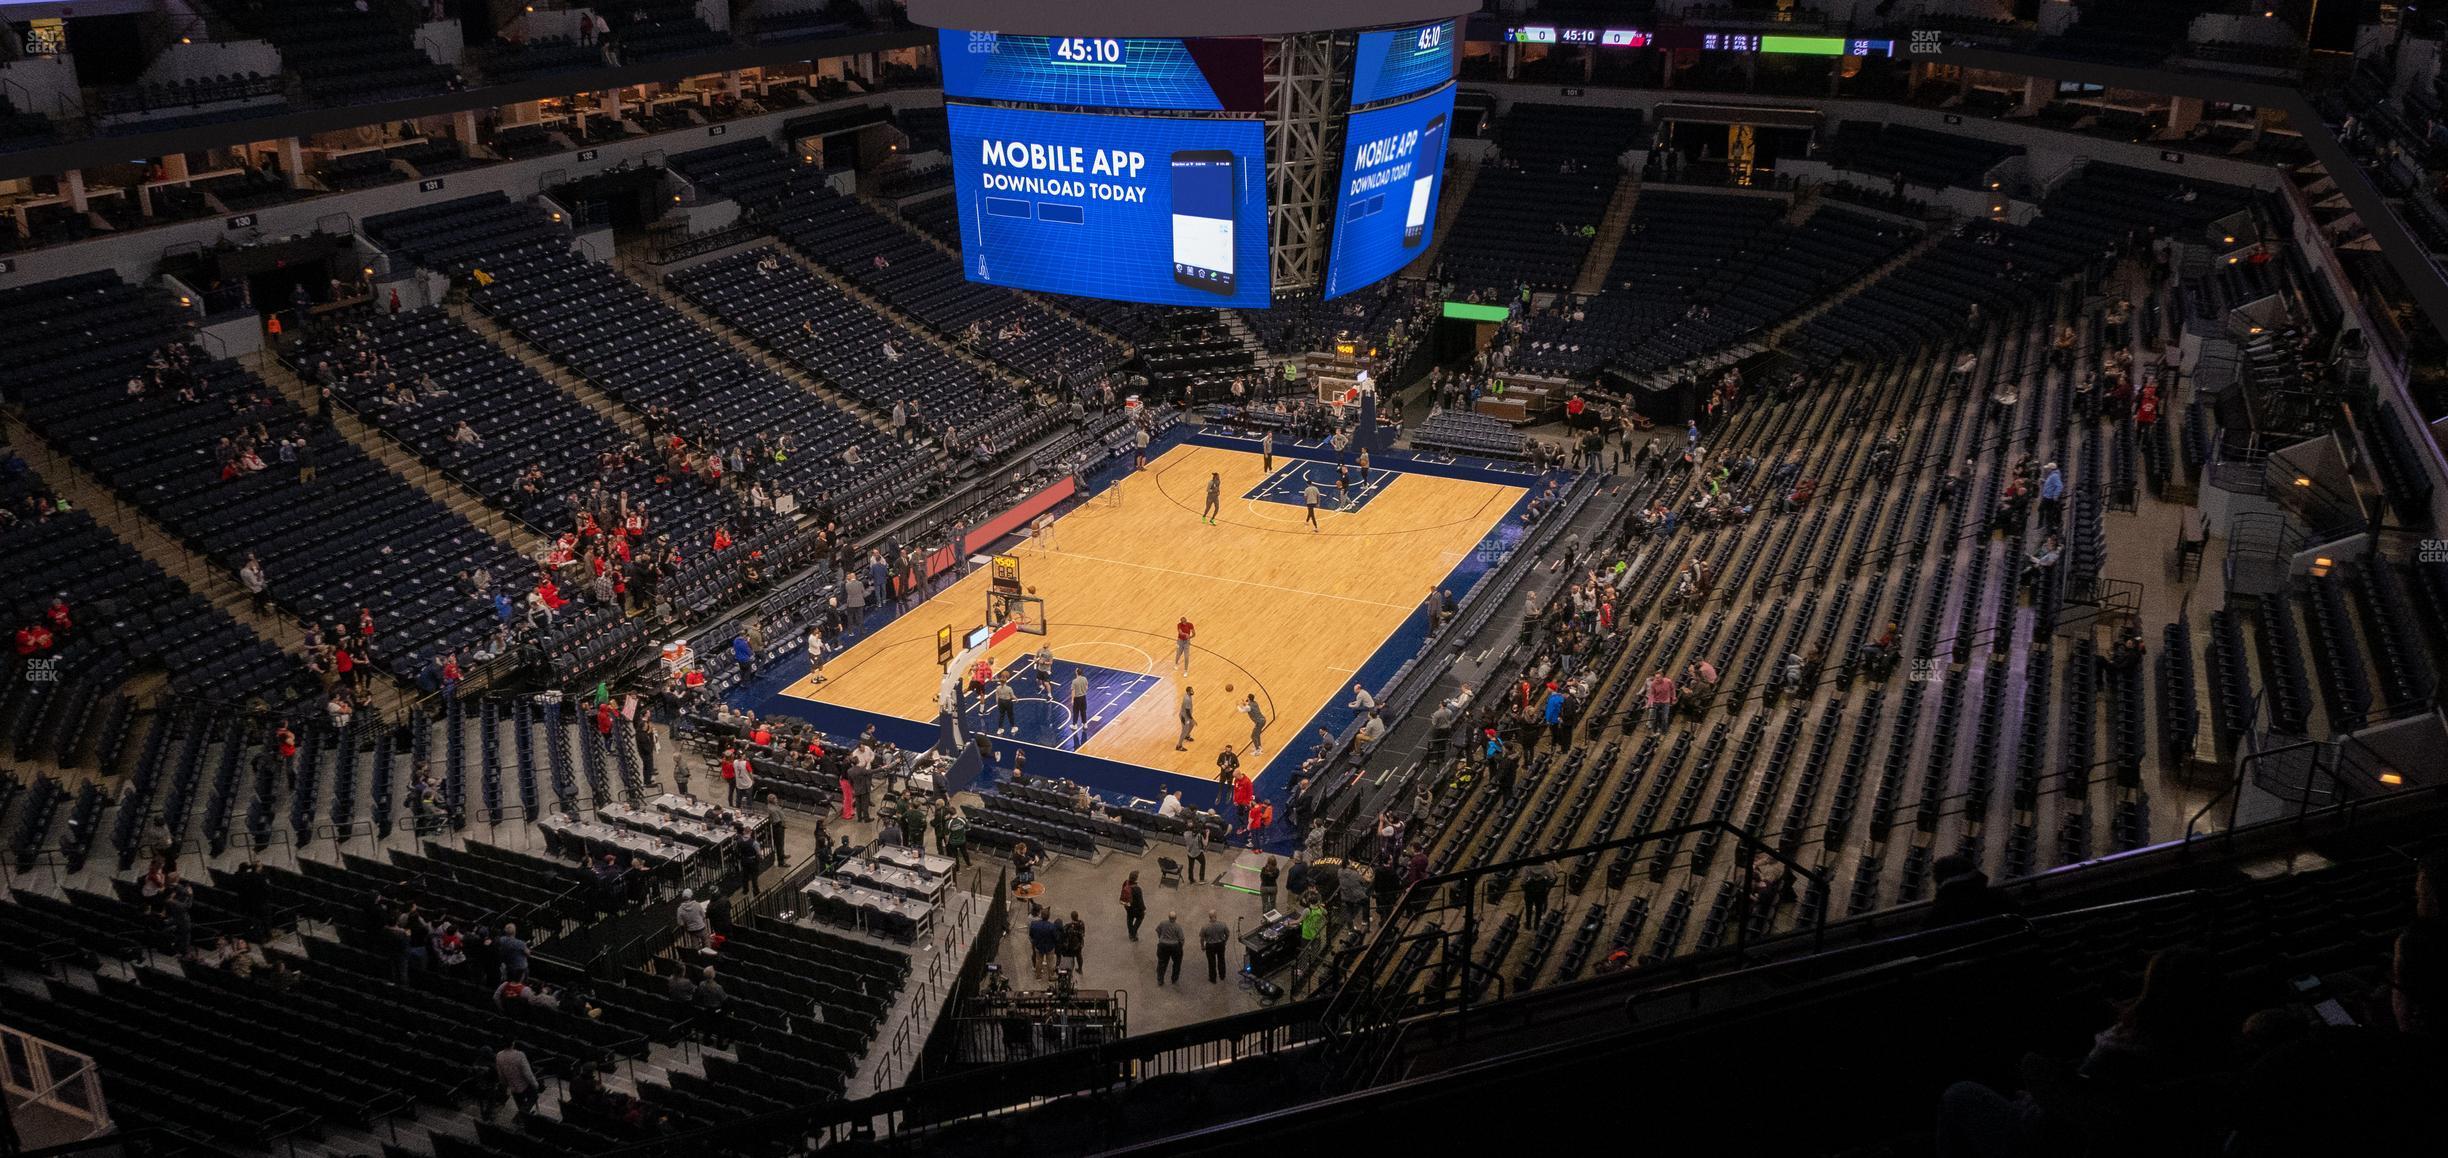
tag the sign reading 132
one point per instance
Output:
(1086, 50)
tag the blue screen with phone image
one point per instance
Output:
(1145, 209)
(1386, 202)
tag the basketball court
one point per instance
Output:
(1282, 611)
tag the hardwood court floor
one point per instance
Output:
(1280, 609)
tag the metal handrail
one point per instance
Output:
(1354, 996)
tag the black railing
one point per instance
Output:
(1440, 918)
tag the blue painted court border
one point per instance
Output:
(1289, 746)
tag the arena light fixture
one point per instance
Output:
(2391, 779)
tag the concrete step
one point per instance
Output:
(795, 375)
(578, 387)
(400, 460)
(1601, 256)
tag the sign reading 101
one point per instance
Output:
(1102, 53)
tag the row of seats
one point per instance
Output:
(808, 322)
(357, 536)
(190, 93)
(129, 617)
(1921, 156)
(345, 53)
(885, 259)
(1463, 432)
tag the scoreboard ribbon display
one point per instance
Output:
(1146, 209)
(1403, 61)
(1386, 203)
(1213, 75)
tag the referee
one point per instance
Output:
(1309, 500)
(1215, 495)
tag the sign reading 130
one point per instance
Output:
(1086, 50)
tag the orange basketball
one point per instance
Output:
(1228, 687)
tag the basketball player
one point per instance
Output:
(1342, 487)
(1045, 670)
(1309, 501)
(1364, 465)
(1215, 495)
(1266, 450)
(1189, 720)
(1079, 700)
(1258, 723)
(1181, 643)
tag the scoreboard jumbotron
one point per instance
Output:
(1144, 168)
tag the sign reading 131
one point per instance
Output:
(1106, 53)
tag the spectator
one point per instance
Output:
(1169, 944)
(1134, 905)
(1963, 892)
(2178, 1028)
(509, 951)
(1071, 947)
(1213, 936)
(692, 918)
(518, 1077)
(1044, 936)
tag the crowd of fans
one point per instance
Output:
(2184, 1064)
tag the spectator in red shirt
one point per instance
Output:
(1244, 794)
(33, 639)
(1261, 816)
(58, 615)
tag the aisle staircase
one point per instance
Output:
(748, 348)
(1928, 241)
(924, 331)
(1601, 257)
(382, 448)
(630, 421)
